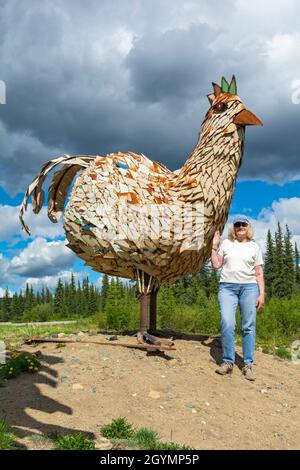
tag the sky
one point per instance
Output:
(104, 76)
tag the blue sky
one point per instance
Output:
(138, 81)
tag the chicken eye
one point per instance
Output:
(220, 107)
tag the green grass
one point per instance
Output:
(120, 431)
(283, 353)
(74, 441)
(14, 335)
(6, 437)
(146, 438)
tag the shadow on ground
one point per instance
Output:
(212, 342)
(20, 403)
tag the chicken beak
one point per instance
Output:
(246, 118)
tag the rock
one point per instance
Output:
(75, 360)
(80, 333)
(154, 394)
(194, 411)
(134, 394)
(61, 335)
(207, 404)
(103, 444)
(112, 338)
(263, 390)
(77, 387)
(64, 378)
(93, 390)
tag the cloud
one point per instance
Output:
(41, 258)
(39, 224)
(106, 78)
(51, 281)
(158, 74)
(285, 211)
(3, 291)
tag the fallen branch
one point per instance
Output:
(147, 347)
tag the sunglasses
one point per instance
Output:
(240, 224)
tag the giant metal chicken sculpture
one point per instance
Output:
(153, 246)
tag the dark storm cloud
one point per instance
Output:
(102, 78)
(172, 66)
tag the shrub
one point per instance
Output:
(19, 362)
(283, 353)
(74, 441)
(41, 312)
(120, 428)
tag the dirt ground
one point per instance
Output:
(83, 386)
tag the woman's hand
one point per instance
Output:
(216, 240)
(260, 301)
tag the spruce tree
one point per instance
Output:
(278, 286)
(104, 291)
(48, 296)
(289, 268)
(92, 305)
(16, 312)
(85, 297)
(59, 300)
(166, 305)
(297, 266)
(30, 299)
(21, 303)
(72, 296)
(113, 305)
(43, 295)
(269, 268)
(6, 306)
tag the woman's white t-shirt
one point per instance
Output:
(240, 259)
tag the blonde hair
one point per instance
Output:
(232, 235)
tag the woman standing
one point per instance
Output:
(241, 283)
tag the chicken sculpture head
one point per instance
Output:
(164, 250)
(227, 105)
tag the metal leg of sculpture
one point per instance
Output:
(148, 285)
(153, 313)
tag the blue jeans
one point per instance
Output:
(230, 295)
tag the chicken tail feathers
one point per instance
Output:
(58, 188)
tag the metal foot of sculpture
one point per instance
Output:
(148, 285)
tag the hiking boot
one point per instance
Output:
(224, 368)
(248, 372)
